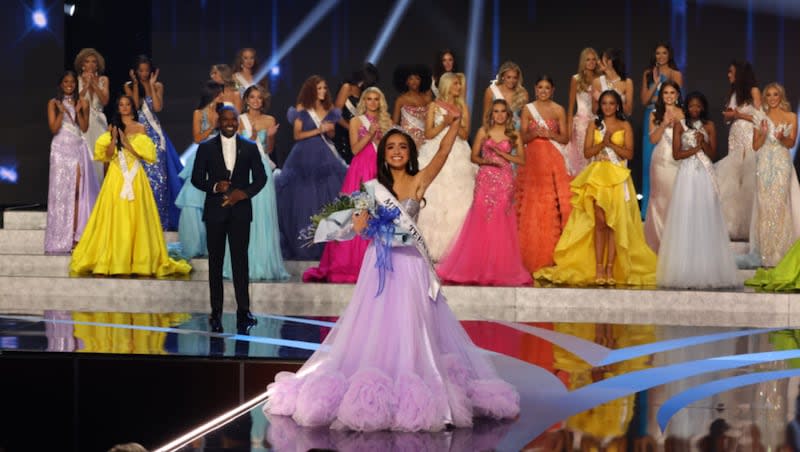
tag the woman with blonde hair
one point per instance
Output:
(507, 86)
(449, 197)
(341, 261)
(93, 87)
(486, 252)
(222, 74)
(580, 95)
(776, 211)
(244, 66)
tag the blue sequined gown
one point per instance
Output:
(310, 178)
(163, 173)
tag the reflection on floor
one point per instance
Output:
(588, 387)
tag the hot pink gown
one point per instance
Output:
(486, 251)
(341, 261)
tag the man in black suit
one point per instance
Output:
(222, 169)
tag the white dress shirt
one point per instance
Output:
(229, 152)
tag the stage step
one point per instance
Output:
(58, 266)
(24, 219)
(32, 295)
(31, 241)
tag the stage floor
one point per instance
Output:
(573, 393)
(140, 348)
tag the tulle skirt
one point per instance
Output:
(448, 198)
(191, 229)
(264, 250)
(341, 261)
(695, 251)
(543, 201)
(394, 361)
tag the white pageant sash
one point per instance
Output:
(496, 91)
(406, 223)
(412, 120)
(542, 123)
(127, 175)
(318, 122)
(701, 156)
(614, 158)
(350, 107)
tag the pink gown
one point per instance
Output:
(341, 261)
(486, 251)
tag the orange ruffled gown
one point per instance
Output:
(608, 185)
(123, 236)
(543, 201)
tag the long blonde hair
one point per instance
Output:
(511, 131)
(518, 99)
(384, 120)
(784, 105)
(584, 82)
(445, 81)
(225, 73)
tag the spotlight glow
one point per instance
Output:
(39, 18)
(473, 38)
(275, 71)
(69, 9)
(387, 31)
(312, 19)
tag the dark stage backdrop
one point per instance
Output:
(542, 37)
(185, 38)
(34, 59)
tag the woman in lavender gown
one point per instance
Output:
(313, 172)
(73, 184)
(426, 373)
(148, 95)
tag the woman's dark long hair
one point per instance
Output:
(438, 67)
(117, 121)
(140, 60)
(617, 62)
(700, 97)
(670, 61)
(384, 173)
(60, 92)
(661, 106)
(211, 90)
(619, 114)
(743, 83)
(365, 77)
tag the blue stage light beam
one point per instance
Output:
(312, 19)
(474, 33)
(387, 30)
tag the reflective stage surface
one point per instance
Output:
(583, 386)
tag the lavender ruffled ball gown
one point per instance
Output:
(399, 360)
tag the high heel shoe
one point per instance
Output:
(610, 276)
(600, 276)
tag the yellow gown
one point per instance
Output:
(123, 235)
(609, 185)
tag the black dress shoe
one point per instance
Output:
(215, 323)
(245, 321)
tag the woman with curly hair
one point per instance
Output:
(341, 261)
(413, 82)
(314, 171)
(93, 86)
(508, 86)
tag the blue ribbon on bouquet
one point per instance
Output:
(381, 228)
